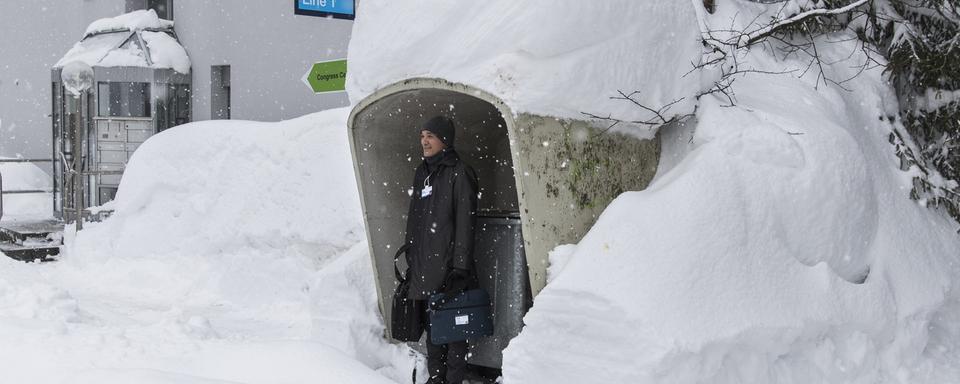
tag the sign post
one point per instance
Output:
(327, 76)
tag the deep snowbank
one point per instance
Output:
(737, 265)
(204, 186)
(547, 57)
(235, 254)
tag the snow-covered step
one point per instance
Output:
(31, 240)
(29, 253)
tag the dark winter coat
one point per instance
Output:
(440, 225)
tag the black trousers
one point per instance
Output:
(445, 361)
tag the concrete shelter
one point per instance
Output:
(543, 183)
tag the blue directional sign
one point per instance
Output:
(338, 9)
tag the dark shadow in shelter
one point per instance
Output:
(385, 137)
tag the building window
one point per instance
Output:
(121, 99)
(164, 8)
(107, 194)
(173, 106)
(220, 92)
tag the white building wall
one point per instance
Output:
(35, 34)
(268, 48)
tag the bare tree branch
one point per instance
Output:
(749, 38)
(660, 114)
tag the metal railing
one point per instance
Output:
(20, 191)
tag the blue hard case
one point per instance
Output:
(466, 316)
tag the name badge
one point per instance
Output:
(462, 320)
(426, 191)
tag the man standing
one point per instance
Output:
(440, 233)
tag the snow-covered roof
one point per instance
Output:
(136, 20)
(135, 39)
(547, 57)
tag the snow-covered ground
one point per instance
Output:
(777, 244)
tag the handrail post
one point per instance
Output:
(1, 195)
(78, 139)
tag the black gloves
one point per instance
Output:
(456, 282)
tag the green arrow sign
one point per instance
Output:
(327, 76)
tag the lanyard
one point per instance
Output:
(427, 188)
(426, 182)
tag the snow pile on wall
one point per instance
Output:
(547, 57)
(25, 176)
(741, 263)
(166, 52)
(108, 43)
(93, 49)
(235, 254)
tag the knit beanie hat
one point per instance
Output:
(442, 127)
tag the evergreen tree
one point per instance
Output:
(920, 44)
(921, 39)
